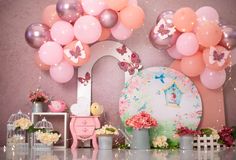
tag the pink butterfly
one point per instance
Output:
(162, 30)
(122, 50)
(218, 57)
(86, 79)
(130, 67)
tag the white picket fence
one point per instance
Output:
(207, 143)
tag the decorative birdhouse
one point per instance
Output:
(173, 95)
(17, 125)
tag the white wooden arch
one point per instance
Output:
(128, 60)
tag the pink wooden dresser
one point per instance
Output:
(83, 128)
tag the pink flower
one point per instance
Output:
(38, 96)
(183, 131)
(141, 120)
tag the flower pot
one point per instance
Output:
(140, 139)
(105, 141)
(38, 107)
(186, 142)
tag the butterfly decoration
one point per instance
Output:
(161, 78)
(132, 66)
(163, 29)
(218, 57)
(77, 53)
(86, 79)
(122, 50)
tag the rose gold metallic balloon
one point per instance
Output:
(69, 10)
(229, 36)
(36, 34)
(164, 35)
(108, 18)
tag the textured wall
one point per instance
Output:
(19, 74)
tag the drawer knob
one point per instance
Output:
(85, 130)
(84, 122)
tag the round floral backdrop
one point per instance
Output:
(168, 95)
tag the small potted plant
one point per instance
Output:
(141, 123)
(186, 137)
(105, 136)
(38, 99)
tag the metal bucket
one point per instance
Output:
(105, 142)
(140, 139)
(186, 142)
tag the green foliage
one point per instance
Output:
(123, 146)
(206, 131)
(110, 129)
(234, 132)
(172, 144)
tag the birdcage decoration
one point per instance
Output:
(44, 127)
(17, 125)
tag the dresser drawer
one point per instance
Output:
(84, 131)
(85, 122)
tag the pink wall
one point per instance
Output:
(19, 74)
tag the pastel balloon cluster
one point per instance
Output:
(70, 26)
(200, 45)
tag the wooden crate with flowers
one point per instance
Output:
(211, 139)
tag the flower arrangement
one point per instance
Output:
(160, 142)
(107, 130)
(47, 138)
(141, 120)
(22, 123)
(210, 132)
(226, 136)
(38, 96)
(183, 131)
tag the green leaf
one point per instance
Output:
(110, 129)
(206, 131)
(234, 132)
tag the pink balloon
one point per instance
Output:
(207, 13)
(87, 29)
(133, 2)
(62, 32)
(93, 7)
(213, 79)
(173, 52)
(120, 32)
(62, 72)
(187, 44)
(50, 53)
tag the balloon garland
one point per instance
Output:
(70, 26)
(198, 40)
